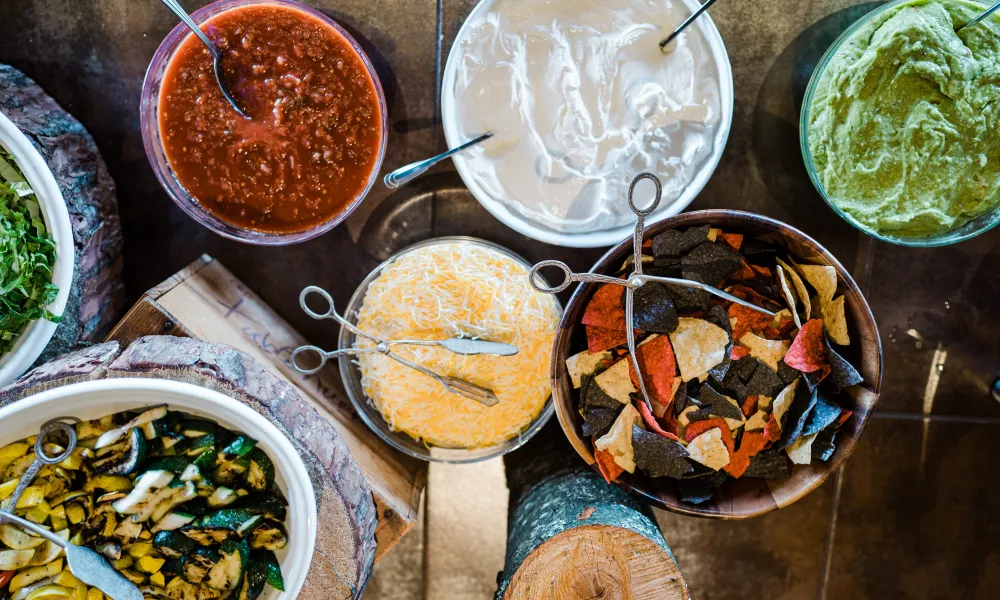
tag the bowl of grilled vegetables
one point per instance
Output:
(188, 493)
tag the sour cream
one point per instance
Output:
(581, 99)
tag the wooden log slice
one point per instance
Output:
(573, 536)
(345, 539)
(97, 297)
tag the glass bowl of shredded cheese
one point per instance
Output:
(442, 288)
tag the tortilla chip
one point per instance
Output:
(714, 233)
(807, 352)
(800, 287)
(769, 464)
(660, 456)
(605, 308)
(772, 429)
(842, 373)
(822, 278)
(733, 240)
(597, 420)
(757, 421)
(765, 382)
(783, 401)
(716, 315)
(823, 414)
(752, 443)
(684, 419)
(750, 406)
(746, 272)
(743, 320)
(698, 490)
(800, 451)
(835, 321)
(698, 346)
(647, 418)
(662, 410)
(618, 441)
(763, 272)
(616, 382)
(600, 339)
(789, 295)
(698, 428)
(738, 352)
(652, 309)
(709, 449)
(797, 415)
(584, 363)
(656, 361)
(674, 243)
(769, 352)
(606, 465)
(712, 263)
(721, 406)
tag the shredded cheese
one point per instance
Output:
(458, 289)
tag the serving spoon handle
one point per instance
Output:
(404, 175)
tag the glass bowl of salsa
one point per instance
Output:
(313, 145)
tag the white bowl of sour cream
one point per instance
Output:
(580, 100)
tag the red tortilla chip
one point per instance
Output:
(699, 427)
(772, 430)
(658, 365)
(650, 421)
(807, 353)
(750, 406)
(764, 272)
(739, 352)
(744, 293)
(605, 308)
(746, 319)
(734, 240)
(600, 339)
(751, 444)
(607, 465)
(844, 416)
(745, 273)
(649, 244)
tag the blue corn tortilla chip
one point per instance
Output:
(842, 373)
(675, 243)
(598, 420)
(713, 263)
(698, 490)
(755, 247)
(653, 310)
(591, 395)
(718, 405)
(765, 382)
(740, 373)
(659, 456)
(786, 373)
(769, 464)
(794, 420)
(665, 267)
(824, 444)
(823, 414)
(717, 315)
(688, 300)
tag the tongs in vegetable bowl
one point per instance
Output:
(86, 565)
(464, 346)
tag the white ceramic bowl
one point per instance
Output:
(37, 334)
(604, 237)
(93, 399)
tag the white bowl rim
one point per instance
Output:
(300, 495)
(603, 237)
(37, 334)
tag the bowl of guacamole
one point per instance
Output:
(900, 126)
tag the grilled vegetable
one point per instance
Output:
(261, 473)
(270, 535)
(111, 437)
(127, 460)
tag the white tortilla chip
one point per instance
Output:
(800, 451)
(770, 352)
(757, 421)
(618, 441)
(822, 278)
(683, 420)
(786, 291)
(780, 316)
(584, 363)
(800, 288)
(714, 233)
(660, 409)
(616, 381)
(698, 347)
(835, 321)
(709, 449)
(733, 423)
(764, 403)
(783, 401)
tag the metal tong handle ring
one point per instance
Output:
(42, 459)
(534, 277)
(302, 349)
(645, 212)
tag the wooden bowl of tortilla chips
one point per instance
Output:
(747, 496)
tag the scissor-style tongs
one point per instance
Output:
(464, 346)
(635, 280)
(85, 564)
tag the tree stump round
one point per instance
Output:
(345, 539)
(98, 294)
(573, 536)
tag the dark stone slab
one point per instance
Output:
(917, 516)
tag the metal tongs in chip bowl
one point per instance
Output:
(635, 280)
(464, 346)
(86, 565)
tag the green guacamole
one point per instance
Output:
(904, 124)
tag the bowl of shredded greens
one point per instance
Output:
(36, 253)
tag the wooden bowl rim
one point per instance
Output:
(568, 417)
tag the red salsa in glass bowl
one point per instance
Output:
(315, 139)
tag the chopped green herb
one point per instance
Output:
(27, 256)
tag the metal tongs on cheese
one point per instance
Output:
(635, 280)
(464, 346)
(85, 564)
